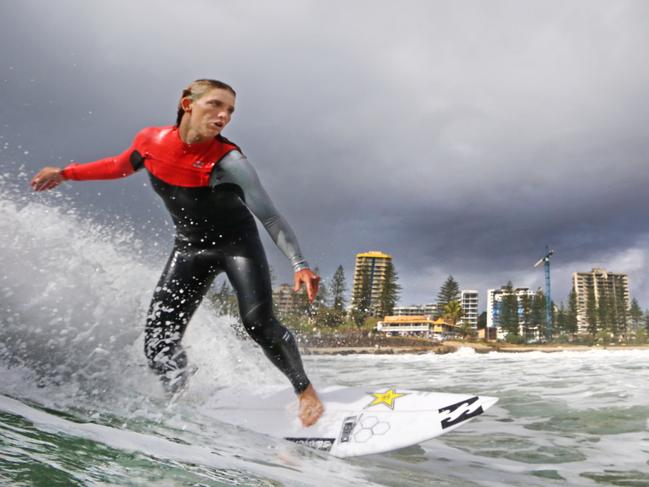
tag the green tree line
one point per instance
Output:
(329, 306)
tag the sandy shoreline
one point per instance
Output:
(454, 346)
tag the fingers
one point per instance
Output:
(310, 291)
(36, 180)
(312, 287)
(311, 416)
(44, 184)
(50, 185)
(297, 282)
(37, 184)
(310, 280)
(46, 178)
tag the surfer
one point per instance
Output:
(211, 191)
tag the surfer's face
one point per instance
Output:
(211, 112)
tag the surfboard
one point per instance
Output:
(356, 421)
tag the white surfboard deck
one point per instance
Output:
(356, 421)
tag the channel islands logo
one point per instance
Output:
(387, 398)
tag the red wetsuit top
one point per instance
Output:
(165, 156)
(180, 174)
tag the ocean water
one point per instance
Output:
(78, 405)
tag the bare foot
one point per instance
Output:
(310, 406)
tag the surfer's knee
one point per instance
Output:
(262, 326)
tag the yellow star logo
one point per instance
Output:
(388, 397)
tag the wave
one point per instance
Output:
(74, 299)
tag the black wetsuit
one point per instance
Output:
(215, 232)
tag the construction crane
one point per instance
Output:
(545, 260)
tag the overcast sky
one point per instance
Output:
(461, 137)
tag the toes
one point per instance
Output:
(311, 415)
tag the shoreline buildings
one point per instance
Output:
(416, 310)
(469, 302)
(608, 291)
(494, 302)
(417, 325)
(599, 284)
(285, 300)
(369, 272)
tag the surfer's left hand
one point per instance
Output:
(311, 282)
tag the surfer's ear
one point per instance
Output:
(186, 104)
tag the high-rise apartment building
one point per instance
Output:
(494, 302)
(370, 266)
(470, 307)
(613, 286)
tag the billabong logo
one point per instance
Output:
(199, 164)
(461, 411)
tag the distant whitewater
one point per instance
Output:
(78, 405)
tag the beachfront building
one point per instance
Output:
(494, 301)
(370, 266)
(470, 307)
(601, 283)
(417, 325)
(285, 300)
(416, 310)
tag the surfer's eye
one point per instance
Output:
(220, 104)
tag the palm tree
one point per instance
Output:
(453, 312)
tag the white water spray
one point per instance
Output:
(74, 300)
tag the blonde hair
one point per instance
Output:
(198, 88)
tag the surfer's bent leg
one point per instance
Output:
(250, 277)
(181, 288)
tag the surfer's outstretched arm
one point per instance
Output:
(109, 168)
(113, 167)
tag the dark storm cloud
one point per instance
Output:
(461, 137)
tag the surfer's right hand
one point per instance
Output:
(311, 282)
(47, 178)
